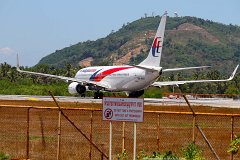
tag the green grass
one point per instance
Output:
(153, 92)
(26, 87)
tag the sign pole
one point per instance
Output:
(134, 141)
(110, 140)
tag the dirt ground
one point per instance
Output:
(161, 131)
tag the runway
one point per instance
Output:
(213, 102)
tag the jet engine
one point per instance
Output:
(76, 88)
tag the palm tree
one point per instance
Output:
(13, 74)
(4, 69)
(69, 70)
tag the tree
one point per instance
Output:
(69, 70)
(4, 69)
(12, 74)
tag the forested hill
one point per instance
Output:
(189, 41)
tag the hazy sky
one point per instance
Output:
(34, 29)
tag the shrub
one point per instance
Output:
(4, 156)
(234, 145)
(192, 152)
(122, 156)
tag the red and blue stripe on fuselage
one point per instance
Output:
(98, 75)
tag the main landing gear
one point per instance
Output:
(98, 95)
(136, 94)
(83, 95)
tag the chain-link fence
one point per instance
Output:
(40, 133)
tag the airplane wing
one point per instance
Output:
(185, 68)
(65, 78)
(100, 84)
(170, 83)
(48, 75)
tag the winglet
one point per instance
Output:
(165, 13)
(17, 62)
(233, 74)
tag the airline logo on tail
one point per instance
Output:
(156, 46)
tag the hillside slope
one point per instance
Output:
(189, 41)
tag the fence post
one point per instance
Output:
(59, 135)
(194, 117)
(123, 137)
(158, 132)
(90, 149)
(27, 147)
(232, 133)
(193, 129)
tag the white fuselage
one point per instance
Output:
(118, 78)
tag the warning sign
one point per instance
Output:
(108, 113)
(123, 109)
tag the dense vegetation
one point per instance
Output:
(13, 82)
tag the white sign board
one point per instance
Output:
(123, 109)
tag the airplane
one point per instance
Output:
(131, 79)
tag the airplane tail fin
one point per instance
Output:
(154, 56)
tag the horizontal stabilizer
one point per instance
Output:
(185, 68)
(148, 68)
